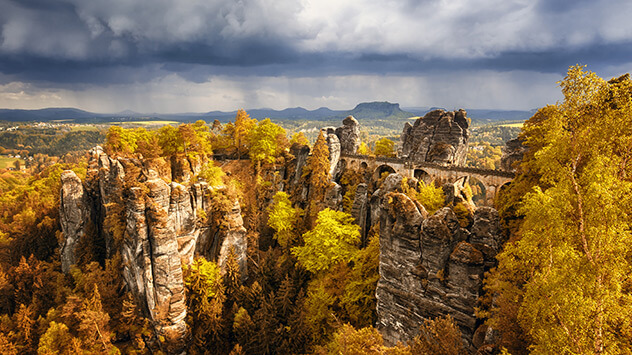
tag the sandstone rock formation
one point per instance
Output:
(430, 266)
(161, 228)
(334, 148)
(514, 151)
(439, 137)
(349, 135)
(74, 212)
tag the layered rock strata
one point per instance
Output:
(155, 225)
(430, 266)
(439, 137)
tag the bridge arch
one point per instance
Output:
(377, 174)
(479, 191)
(422, 175)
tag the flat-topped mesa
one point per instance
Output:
(440, 137)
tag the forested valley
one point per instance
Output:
(238, 238)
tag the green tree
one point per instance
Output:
(364, 149)
(58, 340)
(431, 197)
(317, 169)
(438, 336)
(169, 141)
(205, 300)
(385, 147)
(334, 239)
(570, 270)
(240, 131)
(267, 141)
(299, 138)
(284, 219)
(120, 141)
(358, 298)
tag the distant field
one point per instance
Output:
(516, 125)
(6, 162)
(144, 123)
(85, 128)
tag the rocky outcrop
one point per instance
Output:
(349, 135)
(157, 227)
(512, 156)
(439, 137)
(430, 266)
(360, 206)
(334, 149)
(74, 212)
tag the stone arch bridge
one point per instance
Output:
(490, 180)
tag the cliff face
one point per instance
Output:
(439, 137)
(349, 135)
(512, 156)
(430, 266)
(154, 225)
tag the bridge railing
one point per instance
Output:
(465, 169)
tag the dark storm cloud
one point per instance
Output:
(119, 41)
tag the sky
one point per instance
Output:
(172, 56)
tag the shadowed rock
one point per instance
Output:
(430, 267)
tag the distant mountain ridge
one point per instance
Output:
(365, 110)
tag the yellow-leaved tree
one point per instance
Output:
(385, 147)
(565, 284)
(317, 168)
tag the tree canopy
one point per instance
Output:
(571, 269)
(334, 239)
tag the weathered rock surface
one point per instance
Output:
(74, 211)
(349, 135)
(430, 266)
(334, 148)
(162, 229)
(360, 206)
(512, 156)
(439, 137)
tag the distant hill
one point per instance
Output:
(46, 114)
(384, 111)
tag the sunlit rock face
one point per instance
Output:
(430, 266)
(74, 212)
(334, 148)
(153, 223)
(349, 135)
(440, 137)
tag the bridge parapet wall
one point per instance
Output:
(491, 179)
